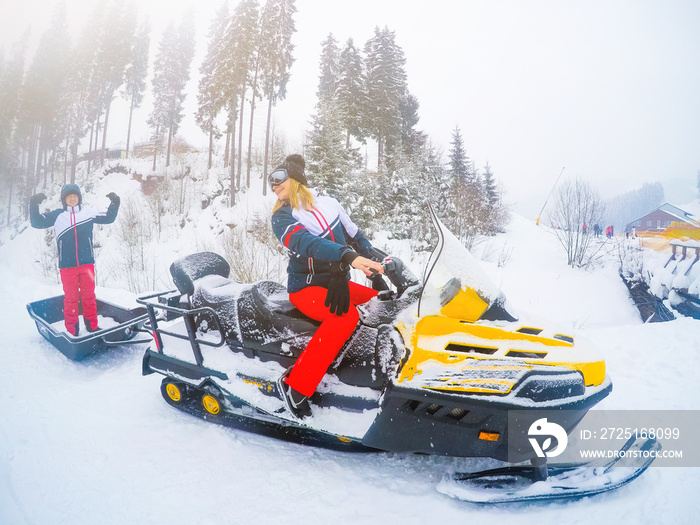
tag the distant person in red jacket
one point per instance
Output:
(76, 257)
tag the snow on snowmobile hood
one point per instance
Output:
(456, 286)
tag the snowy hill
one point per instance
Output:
(94, 442)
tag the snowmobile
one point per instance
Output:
(434, 366)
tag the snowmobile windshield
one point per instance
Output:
(455, 285)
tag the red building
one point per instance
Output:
(661, 218)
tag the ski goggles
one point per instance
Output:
(277, 177)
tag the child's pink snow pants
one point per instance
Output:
(79, 287)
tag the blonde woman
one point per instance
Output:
(316, 233)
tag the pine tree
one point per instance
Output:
(351, 94)
(412, 140)
(465, 215)
(11, 79)
(246, 24)
(329, 77)
(171, 73)
(276, 59)
(386, 88)
(490, 187)
(41, 99)
(328, 161)
(495, 213)
(135, 75)
(233, 74)
(113, 58)
(211, 98)
(459, 162)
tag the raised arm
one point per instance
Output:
(111, 214)
(38, 219)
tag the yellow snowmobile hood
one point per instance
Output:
(456, 355)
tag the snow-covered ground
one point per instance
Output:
(94, 442)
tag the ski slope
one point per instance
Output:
(94, 442)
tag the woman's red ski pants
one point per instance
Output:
(330, 336)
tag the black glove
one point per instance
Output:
(338, 297)
(37, 199)
(378, 283)
(113, 197)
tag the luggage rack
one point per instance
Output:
(164, 304)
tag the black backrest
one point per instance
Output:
(190, 268)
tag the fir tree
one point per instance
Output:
(113, 58)
(328, 161)
(135, 75)
(171, 73)
(11, 79)
(386, 88)
(329, 77)
(211, 96)
(465, 215)
(412, 140)
(351, 94)
(237, 56)
(276, 51)
(44, 88)
(459, 162)
(490, 187)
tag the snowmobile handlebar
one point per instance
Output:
(397, 273)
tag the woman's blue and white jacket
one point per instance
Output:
(73, 227)
(316, 238)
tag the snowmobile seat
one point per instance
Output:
(221, 295)
(188, 269)
(267, 317)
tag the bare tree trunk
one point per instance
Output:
(97, 137)
(267, 142)
(9, 195)
(128, 129)
(156, 140)
(104, 134)
(250, 132)
(74, 164)
(92, 133)
(240, 138)
(170, 141)
(65, 162)
(31, 160)
(45, 164)
(211, 143)
(226, 148)
(232, 165)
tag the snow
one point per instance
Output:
(94, 442)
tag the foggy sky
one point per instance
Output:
(610, 90)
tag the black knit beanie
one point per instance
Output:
(295, 164)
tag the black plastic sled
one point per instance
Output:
(49, 311)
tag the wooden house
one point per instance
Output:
(661, 218)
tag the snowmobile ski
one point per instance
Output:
(575, 480)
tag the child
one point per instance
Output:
(73, 226)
